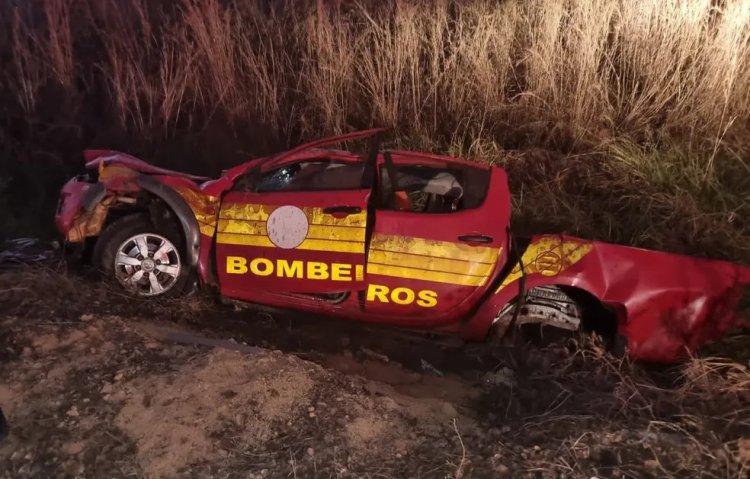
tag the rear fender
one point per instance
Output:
(667, 305)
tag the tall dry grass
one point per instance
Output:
(561, 73)
(627, 79)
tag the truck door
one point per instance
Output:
(440, 233)
(297, 229)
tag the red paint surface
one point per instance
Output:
(71, 197)
(669, 304)
(454, 301)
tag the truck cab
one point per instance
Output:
(315, 232)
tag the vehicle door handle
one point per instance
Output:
(475, 238)
(341, 211)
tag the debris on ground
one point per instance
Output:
(503, 376)
(429, 368)
(373, 355)
(21, 252)
(94, 386)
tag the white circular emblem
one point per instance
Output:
(287, 227)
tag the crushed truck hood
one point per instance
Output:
(110, 158)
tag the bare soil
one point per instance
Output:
(95, 384)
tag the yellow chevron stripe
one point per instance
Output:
(206, 229)
(242, 227)
(209, 219)
(343, 233)
(204, 208)
(439, 249)
(198, 201)
(457, 266)
(547, 256)
(308, 244)
(253, 212)
(420, 274)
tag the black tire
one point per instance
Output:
(114, 235)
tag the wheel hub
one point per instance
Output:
(148, 264)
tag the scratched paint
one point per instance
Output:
(204, 207)
(431, 260)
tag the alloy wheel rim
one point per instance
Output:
(147, 264)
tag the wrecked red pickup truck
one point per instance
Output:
(406, 238)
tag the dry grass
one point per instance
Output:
(651, 94)
(633, 419)
(562, 73)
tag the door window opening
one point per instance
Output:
(308, 175)
(426, 189)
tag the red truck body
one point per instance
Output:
(339, 247)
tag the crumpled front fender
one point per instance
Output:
(84, 207)
(182, 210)
(669, 305)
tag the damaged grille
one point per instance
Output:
(547, 306)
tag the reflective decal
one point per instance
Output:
(548, 263)
(315, 216)
(287, 227)
(431, 260)
(425, 275)
(282, 268)
(458, 266)
(435, 248)
(343, 233)
(548, 256)
(308, 244)
(205, 208)
(402, 296)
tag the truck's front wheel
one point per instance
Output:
(143, 258)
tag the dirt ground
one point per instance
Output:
(96, 385)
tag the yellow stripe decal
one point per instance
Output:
(209, 219)
(206, 229)
(547, 256)
(204, 207)
(309, 244)
(456, 266)
(197, 200)
(423, 275)
(343, 233)
(439, 249)
(390, 255)
(252, 212)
